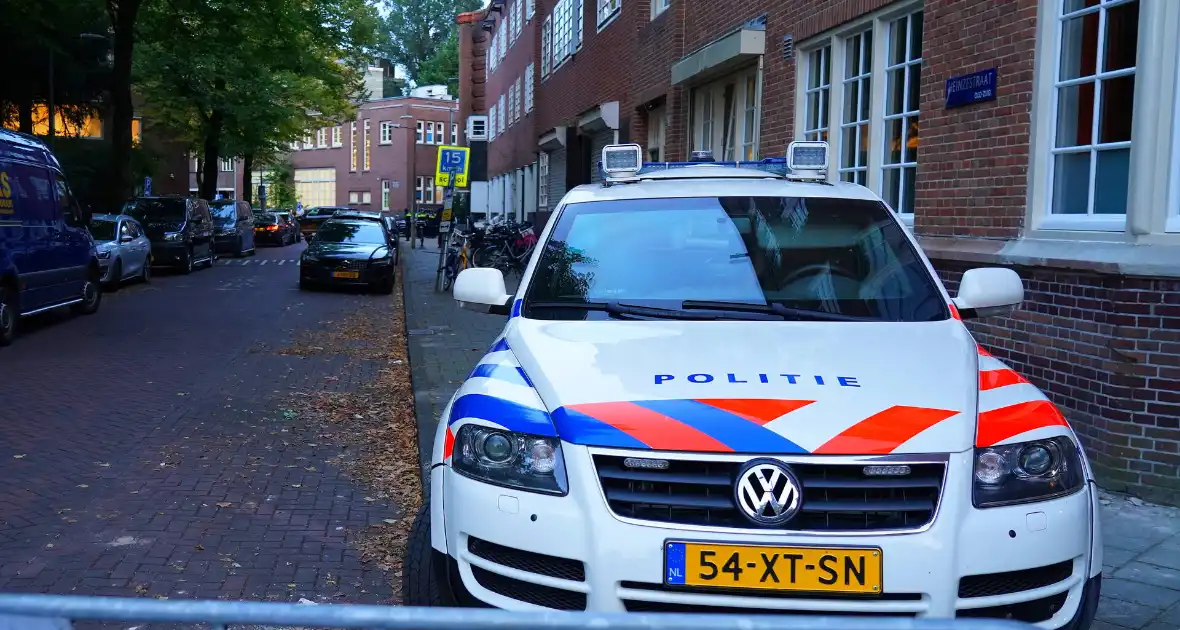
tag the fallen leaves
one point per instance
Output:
(225, 504)
(21, 456)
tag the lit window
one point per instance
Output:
(352, 145)
(368, 147)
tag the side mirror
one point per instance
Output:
(989, 291)
(482, 289)
(126, 238)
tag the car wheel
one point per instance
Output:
(385, 287)
(91, 298)
(116, 276)
(241, 251)
(304, 285)
(421, 585)
(8, 315)
(146, 274)
(186, 265)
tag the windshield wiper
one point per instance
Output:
(627, 311)
(774, 308)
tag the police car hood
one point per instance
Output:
(755, 387)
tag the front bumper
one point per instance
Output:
(321, 273)
(169, 254)
(227, 242)
(523, 551)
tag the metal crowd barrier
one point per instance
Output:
(57, 612)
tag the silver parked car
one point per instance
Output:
(124, 251)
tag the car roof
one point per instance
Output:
(22, 146)
(715, 181)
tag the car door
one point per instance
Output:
(246, 225)
(30, 231)
(202, 226)
(74, 243)
(134, 247)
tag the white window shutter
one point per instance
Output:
(579, 17)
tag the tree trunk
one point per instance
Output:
(248, 178)
(212, 160)
(26, 114)
(123, 14)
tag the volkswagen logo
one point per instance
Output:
(767, 492)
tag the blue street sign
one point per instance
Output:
(147, 187)
(976, 87)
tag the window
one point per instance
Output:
(386, 132)
(321, 138)
(546, 46)
(227, 165)
(532, 9)
(385, 194)
(500, 109)
(750, 119)
(514, 95)
(543, 179)
(607, 9)
(366, 197)
(1095, 88)
(815, 98)
(657, 129)
(517, 18)
(903, 71)
(567, 30)
(418, 133)
(429, 132)
(368, 147)
(874, 145)
(418, 183)
(438, 194)
(308, 141)
(441, 132)
(658, 7)
(854, 117)
(726, 116)
(295, 145)
(792, 247)
(528, 88)
(455, 133)
(492, 123)
(315, 186)
(352, 145)
(428, 189)
(354, 197)
(337, 136)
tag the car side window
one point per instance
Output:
(125, 230)
(132, 228)
(66, 203)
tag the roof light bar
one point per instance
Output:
(807, 160)
(622, 162)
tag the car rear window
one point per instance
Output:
(842, 256)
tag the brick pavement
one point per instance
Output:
(1141, 589)
(145, 450)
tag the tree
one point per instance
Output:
(230, 87)
(442, 67)
(414, 30)
(123, 15)
(280, 184)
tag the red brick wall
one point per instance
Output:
(659, 43)
(517, 145)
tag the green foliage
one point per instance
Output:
(280, 184)
(443, 65)
(415, 31)
(86, 163)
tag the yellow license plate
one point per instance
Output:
(808, 569)
(346, 274)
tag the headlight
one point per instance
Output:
(1026, 472)
(380, 256)
(506, 458)
(104, 253)
(174, 236)
(309, 257)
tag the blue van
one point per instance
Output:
(47, 256)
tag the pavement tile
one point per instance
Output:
(1150, 574)
(1125, 614)
(1157, 597)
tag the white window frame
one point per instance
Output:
(878, 25)
(455, 134)
(543, 180)
(420, 135)
(657, 134)
(492, 123)
(226, 165)
(385, 194)
(366, 197)
(906, 168)
(321, 138)
(309, 141)
(606, 11)
(419, 184)
(352, 163)
(546, 46)
(337, 136)
(429, 126)
(532, 10)
(386, 132)
(658, 7)
(502, 110)
(818, 90)
(528, 88)
(368, 165)
(354, 197)
(428, 189)
(708, 106)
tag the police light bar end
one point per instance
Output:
(622, 162)
(808, 160)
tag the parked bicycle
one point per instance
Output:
(506, 246)
(458, 256)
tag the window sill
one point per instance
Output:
(657, 13)
(603, 23)
(1084, 222)
(1158, 260)
(385, 142)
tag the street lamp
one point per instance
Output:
(50, 109)
(411, 159)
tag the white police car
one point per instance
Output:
(742, 388)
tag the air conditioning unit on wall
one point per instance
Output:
(477, 128)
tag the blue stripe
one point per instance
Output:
(500, 345)
(510, 415)
(515, 309)
(737, 433)
(507, 373)
(579, 428)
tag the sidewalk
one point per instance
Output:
(1141, 580)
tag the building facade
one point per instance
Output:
(384, 160)
(1041, 135)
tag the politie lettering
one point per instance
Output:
(764, 379)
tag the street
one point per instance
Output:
(155, 449)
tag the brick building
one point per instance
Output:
(1063, 164)
(366, 162)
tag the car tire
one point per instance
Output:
(420, 584)
(91, 298)
(304, 285)
(116, 276)
(186, 264)
(145, 275)
(385, 287)
(9, 315)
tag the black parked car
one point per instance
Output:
(349, 252)
(233, 230)
(387, 222)
(180, 229)
(315, 217)
(274, 229)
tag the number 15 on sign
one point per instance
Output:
(452, 162)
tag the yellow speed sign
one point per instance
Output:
(452, 162)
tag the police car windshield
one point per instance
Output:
(824, 255)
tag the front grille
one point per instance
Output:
(1029, 612)
(348, 265)
(769, 594)
(636, 605)
(1014, 581)
(538, 563)
(555, 598)
(836, 497)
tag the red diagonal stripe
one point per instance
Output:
(997, 425)
(883, 432)
(756, 410)
(448, 444)
(955, 312)
(982, 352)
(994, 379)
(653, 429)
